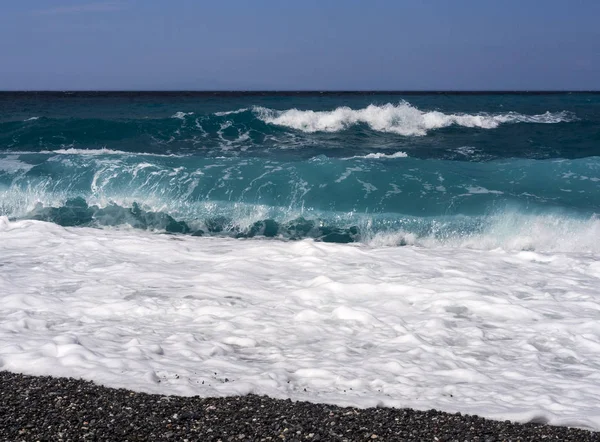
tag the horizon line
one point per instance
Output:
(306, 91)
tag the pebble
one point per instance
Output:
(30, 411)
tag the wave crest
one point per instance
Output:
(380, 156)
(402, 119)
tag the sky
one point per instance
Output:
(306, 45)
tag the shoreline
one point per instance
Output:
(48, 408)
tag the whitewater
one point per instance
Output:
(401, 119)
(426, 251)
(505, 335)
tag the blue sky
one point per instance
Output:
(313, 44)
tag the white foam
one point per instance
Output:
(478, 190)
(223, 114)
(467, 151)
(181, 115)
(74, 151)
(380, 156)
(506, 335)
(403, 119)
(32, 119)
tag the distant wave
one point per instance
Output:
(73, 151)
(223, 114)
(379, 155)
(247, 130)
(181, 115)
(91, 152)
(402, 119)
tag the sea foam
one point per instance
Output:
(505, 335)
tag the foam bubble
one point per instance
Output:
(402, 119)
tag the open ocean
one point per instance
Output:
(420, 250)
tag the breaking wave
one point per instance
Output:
(508, 230)
(370, 132)
(402, 119)
(509, 204)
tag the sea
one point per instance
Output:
(425, 250)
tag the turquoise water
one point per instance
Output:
(335, 167)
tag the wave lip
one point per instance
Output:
(402, 119)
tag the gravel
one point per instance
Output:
(61, 409)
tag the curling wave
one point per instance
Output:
(406, 201)
(506, 230)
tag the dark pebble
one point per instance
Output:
(60, 409)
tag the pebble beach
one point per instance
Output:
(62, 409)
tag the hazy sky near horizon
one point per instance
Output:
(313, 44)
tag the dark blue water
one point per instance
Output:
(336, 167)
